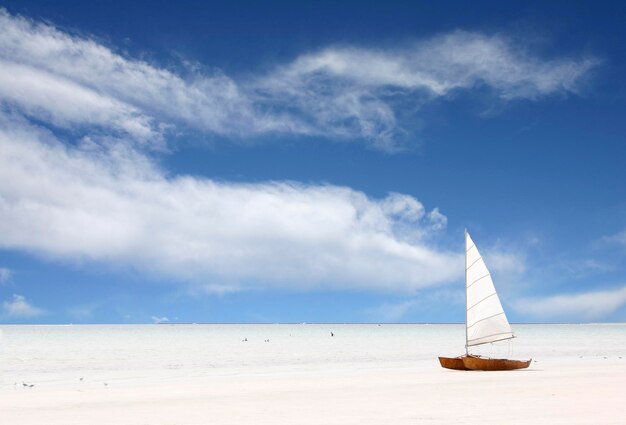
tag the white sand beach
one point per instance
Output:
(560, 388)
(587, 392)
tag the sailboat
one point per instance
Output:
(485, 320)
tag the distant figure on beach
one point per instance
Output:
(332, 334)
(244, 340)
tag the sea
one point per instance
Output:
(70, 355)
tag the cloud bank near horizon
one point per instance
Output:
(338, 92)
(591, 305)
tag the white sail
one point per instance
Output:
(485, 319)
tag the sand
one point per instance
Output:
(581, 391)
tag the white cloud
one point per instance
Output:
(438, 220)
(582, 267)
(5, 275)
(82, 312)
(20, 308)
(74, 80)
(338, 92)
(393, 312)
(505, 262)
(159, 320)
(65, 103)
(348, 91)
(584, 306)
(115, 206)
(616, 239)
(456, 60)
(397, 311)
(102, 199)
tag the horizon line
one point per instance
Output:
(299, 323)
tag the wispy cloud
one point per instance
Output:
(20, 308)
(352, 91)
(82, 312)
(398, 311)
(114, 205)
(581, 267)
(506, 262)
(591, 305)
(5, 275)
(615, 239)
(392, 312)
(102, 88)
(65, 103)
(159, 320)
(340, 92)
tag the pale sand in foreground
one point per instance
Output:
(588, 391)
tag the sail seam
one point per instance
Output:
(480, 278)
(489, 317)
(475, 304)
(489, 336)
(477, 260)
(468, 249)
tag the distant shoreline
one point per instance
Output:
(299, 323)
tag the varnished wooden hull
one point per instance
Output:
(482, 363)
(455, 363)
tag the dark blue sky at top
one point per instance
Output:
(554, 169)
(239, 35)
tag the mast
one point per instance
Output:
(465, 283)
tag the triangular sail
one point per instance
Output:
(485, 319)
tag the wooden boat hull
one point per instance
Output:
(483, 363)
(455, 363)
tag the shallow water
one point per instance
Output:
(61, 355)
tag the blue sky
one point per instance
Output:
(310, 161)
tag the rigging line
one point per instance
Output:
(468, 249)
(478, 279)
(475, 261)
(475, 304)
(488, 317)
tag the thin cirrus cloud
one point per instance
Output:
(350, 91)
(615, 239)
(82, 312)
(114, 206)
(105, 89)
(397, 311)
(5, 275)
(160, 319)
(586, 306)
(340, 92)
(44, 95)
